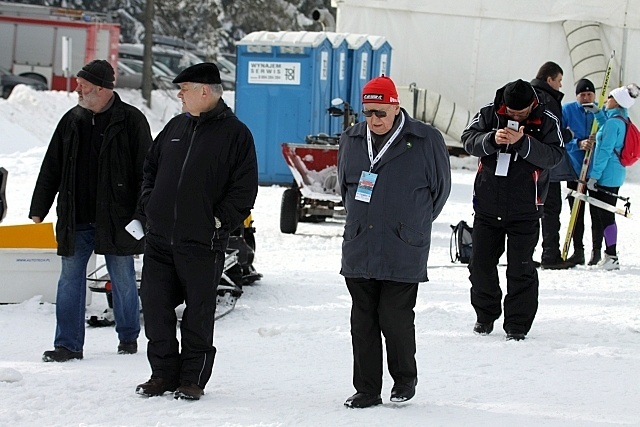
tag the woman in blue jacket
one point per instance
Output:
(606, 171)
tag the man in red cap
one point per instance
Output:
(395, 178)
(518, 141)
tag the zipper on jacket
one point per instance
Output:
(184, 164)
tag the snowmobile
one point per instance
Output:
(238, 271)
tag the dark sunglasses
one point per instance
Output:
(379, 113)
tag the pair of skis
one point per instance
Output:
(577, 201)
(625, 211)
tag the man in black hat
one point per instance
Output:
(200, 183)
(517, 141)
(94, 165)
(580, 121)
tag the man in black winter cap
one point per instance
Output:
(580, 121)
(517, 142)
(99, 72)
(94, 166)
(200, 183)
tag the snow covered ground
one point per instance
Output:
(284, 354)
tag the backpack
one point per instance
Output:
(630, 152)
(461, 237)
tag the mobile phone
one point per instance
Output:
(589, 105)
(512, 124)
(135, 229)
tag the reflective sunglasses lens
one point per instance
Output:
(378, 113)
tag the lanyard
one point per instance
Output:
(386, 146)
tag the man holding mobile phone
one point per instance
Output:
(509, 191)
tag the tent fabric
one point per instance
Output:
(466, 50)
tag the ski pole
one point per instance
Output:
(607, 192)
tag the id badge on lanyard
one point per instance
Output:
(502, 168)
(368, 179)
(365, 186)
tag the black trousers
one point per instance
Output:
(578, 228)
(521, 301)
(551, 224)
(382, 306)
(172, 275)
(604, 222)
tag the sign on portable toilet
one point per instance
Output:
(380, 56)
(283, 91)
(359, 64)
(339, 76)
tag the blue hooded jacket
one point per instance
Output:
(580, 122)
(606, 167)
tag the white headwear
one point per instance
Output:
(622, 97)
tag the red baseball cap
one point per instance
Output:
(380, 90)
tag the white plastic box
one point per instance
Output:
(25, 273)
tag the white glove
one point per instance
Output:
(591, 184)
(591, 108)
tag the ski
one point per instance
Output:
(624, 211)
(575, 208)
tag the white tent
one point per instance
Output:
(464, 50)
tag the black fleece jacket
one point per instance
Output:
(198, 169)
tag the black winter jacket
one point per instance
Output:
(199, 168)
(518, 195)
(126, 141)
(552, 99)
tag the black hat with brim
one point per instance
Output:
(205, 72)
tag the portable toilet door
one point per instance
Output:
(380, 56)
(359, 61)
(339, 77)
(282, 93)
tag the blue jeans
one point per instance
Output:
(72, 293)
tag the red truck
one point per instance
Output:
(31, 41)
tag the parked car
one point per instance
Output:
(8, 81)
(176, 60)
(130, 75)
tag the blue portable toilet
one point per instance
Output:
(359, 64)
(380, 56)
(339, 76)
(283, 92)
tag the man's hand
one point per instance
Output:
(508, 136)
(591, 108)
(36, 219)
(587, 144)
(591, 184)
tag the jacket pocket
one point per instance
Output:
(410, 235)
(351, 230)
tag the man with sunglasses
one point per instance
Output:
(395, 178)
(518, 141)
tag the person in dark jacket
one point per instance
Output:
(517, 141)
(580, 121)
(200, 183)
(547, 84)
(94, 165)
(395, 178)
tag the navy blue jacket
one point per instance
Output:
(390, 237)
